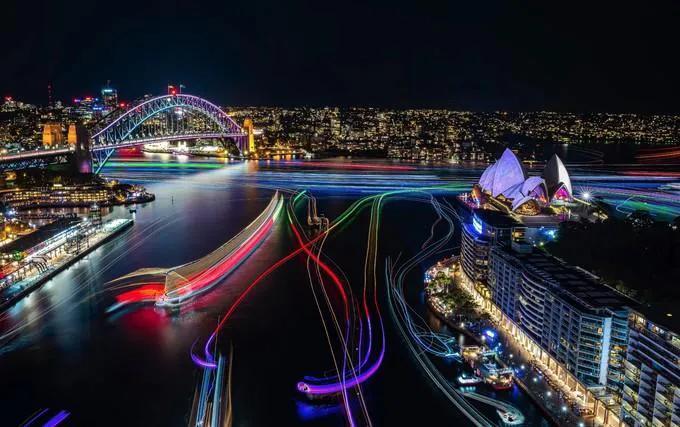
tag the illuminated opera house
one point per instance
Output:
(506, 185)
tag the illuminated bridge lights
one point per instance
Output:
(121, 127)
(123, 131)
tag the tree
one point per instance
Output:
(675, 224)
(640, 218)
(642, 262)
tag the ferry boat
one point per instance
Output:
(464, 379)
(498, 379)
(470, 352)
(504, 381)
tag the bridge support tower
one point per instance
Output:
(82, 157)
(250, 133)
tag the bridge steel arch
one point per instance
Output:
(116, 134)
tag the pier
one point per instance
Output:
(56, 255)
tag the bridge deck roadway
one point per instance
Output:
(35, 154)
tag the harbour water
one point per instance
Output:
(133, 367)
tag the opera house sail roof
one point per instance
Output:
(556, 177)
(506, 179)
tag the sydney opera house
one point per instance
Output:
(506, 185)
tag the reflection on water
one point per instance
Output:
(133, 368)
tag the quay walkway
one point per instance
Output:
(55, 258)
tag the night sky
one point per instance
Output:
(474, 55)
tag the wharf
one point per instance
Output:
(24, 287)
(535, 397)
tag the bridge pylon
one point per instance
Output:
(249, 128)
(82, 156)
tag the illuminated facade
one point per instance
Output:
(579, 321)
(250, 131)
(72, 136)
(109, 98)
(651, 391)
(52, 135)
(557, 180)
(487, 229)
(625, 367)
(505, 183)
(58, 195)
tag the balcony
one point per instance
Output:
(646, 390)
(670, 350)
(661, 418)
(629, 398)
(662, 403)
(667, 392)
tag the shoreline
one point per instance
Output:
(544, 410)
(107, 204)
(63, 266)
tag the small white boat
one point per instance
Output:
(468, 380)
(510, 418)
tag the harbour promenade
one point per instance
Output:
(57, 258)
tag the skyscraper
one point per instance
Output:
(109, 98)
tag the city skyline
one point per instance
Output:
(339, 214)
(461, 57)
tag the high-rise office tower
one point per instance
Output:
(109, 98)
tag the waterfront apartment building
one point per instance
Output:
(487, 229)
(580, 322)
(505, 275)
(651, 390)
(626, 364)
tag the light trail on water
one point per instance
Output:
(178, 285)
(82, 292)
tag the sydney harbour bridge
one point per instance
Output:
(173, 117)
